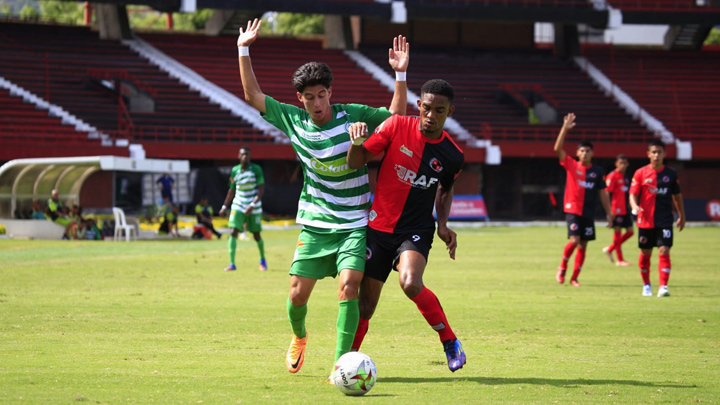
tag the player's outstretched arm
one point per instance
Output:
(399, 58)
(680, 207)
(605, 200)
(228, 200)
(443, 202)
(568, 124)
(357, 155)
(253, 95)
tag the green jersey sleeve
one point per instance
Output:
(282, 115)
(369, 115)
(259, 178)
(198, 209)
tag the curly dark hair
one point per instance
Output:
(439, 87)
(312, 74)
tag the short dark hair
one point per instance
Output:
(244, 147)
(439, 87)
(585, 144)
(656, 142)
(621, 157)
(312, 74)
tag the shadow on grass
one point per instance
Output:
(565, 383)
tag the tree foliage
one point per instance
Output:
(714, 37)
(66, 12)
(293, 24)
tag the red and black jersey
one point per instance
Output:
(581, 187)
(655, 189)
(618, 185)
(409, 174)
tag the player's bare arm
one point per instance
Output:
(228, 200)
(680, 207)
(399, 58)
(357, 155)
(253, 95)
(568, 124)
(255, 200)
(634, 206)
(605, 200)
(443, 202)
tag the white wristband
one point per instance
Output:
(243, 51)
(224, 207)
(400, 76)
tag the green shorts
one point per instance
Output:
(62, 221)
(237, 219)
(319, 255)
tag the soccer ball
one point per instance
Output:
(355, 374)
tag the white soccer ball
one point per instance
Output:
(355, 374)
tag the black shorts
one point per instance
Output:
(578, 225)
(623, 221)
(384, 249)
(649, 238)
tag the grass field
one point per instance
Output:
(160, 322)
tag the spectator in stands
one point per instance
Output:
(169, 224)
(56, 213)
(204, 213)
(37, 211)
(165, 184)
(88, 230)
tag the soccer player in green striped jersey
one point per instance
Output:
(335, 199)
(247, 187)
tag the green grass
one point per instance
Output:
(160, 322)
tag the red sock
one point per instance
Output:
(567, 252)
(644, 263)
(579, 260)
(360, 333)
(627, 235)
(617, 243)
(664, 269)
(431, 309)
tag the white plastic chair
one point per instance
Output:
(121, 225)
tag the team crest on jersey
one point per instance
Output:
(666, 179)
(406, 151)
(372, 215)
(436, 165)
(592, 175)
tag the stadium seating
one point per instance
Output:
(677, 88)
(20, 121)
(215, 58)
(73, 68)
(490, 106)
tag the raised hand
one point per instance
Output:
(358, 132)
(399, 55)
(249, 35)
(569, 121)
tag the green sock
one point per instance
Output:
(296, 315)
(347, 323)
(232, 246)
(261, 248)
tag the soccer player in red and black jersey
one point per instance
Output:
(653, 193)
(618, 184)
(583, 185)
(418, 170)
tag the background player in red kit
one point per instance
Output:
(583, 184)
(653, 192)
(418, 171)
(618, 184)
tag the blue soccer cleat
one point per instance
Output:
(231, 268)
(455, 354)
(263, 265)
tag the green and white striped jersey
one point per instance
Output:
(246, 184)
(333, 196)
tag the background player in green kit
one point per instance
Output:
(247, 187)
(334, 201)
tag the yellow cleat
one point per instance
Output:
(296, 354)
